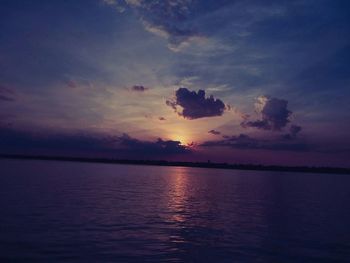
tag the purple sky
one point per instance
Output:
(263, 82)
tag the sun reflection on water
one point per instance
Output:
(178, 194)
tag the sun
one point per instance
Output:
(183, 139)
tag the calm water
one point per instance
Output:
(74, 212)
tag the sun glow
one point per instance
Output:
(183, 139)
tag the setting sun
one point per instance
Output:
(183, 139)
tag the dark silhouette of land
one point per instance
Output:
(254, 167)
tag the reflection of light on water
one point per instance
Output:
(178, 194)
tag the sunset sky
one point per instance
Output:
(265, 82)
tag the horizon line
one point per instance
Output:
(208, 164)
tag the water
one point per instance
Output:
(76, 212)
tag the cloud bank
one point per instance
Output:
(245, 142)
(72, 144)
(159, 147)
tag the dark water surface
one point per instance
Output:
(76, 212)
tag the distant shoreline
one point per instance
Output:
(210, 165)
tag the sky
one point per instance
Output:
(238, 81)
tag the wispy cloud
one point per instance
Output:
(6, 94)
(214, 132)
(168, 19)
(245, 142)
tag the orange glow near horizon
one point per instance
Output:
(183, 139)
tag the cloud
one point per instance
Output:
(73, 144)
(259, 124)
(294, 130)
(110, 2)
(245, 142)
(195, 105)
(168, 19)
(139, 88)
(134, 2)
(177, 38)
(24, 141)
(274, 114)
(6, 94)
(214, 132)
(162, 119)
(71, 84)
(158, 147)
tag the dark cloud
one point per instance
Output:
(214, 132)
(294, 130)
(19, 141)
(195, 105)
(259, 124)
(6, 94)
(171, 104)
(139, 88)
(6, 98)
(161, 118)
(245, 142)
(159, 147)
(274, 114)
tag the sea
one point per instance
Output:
(53, 211)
